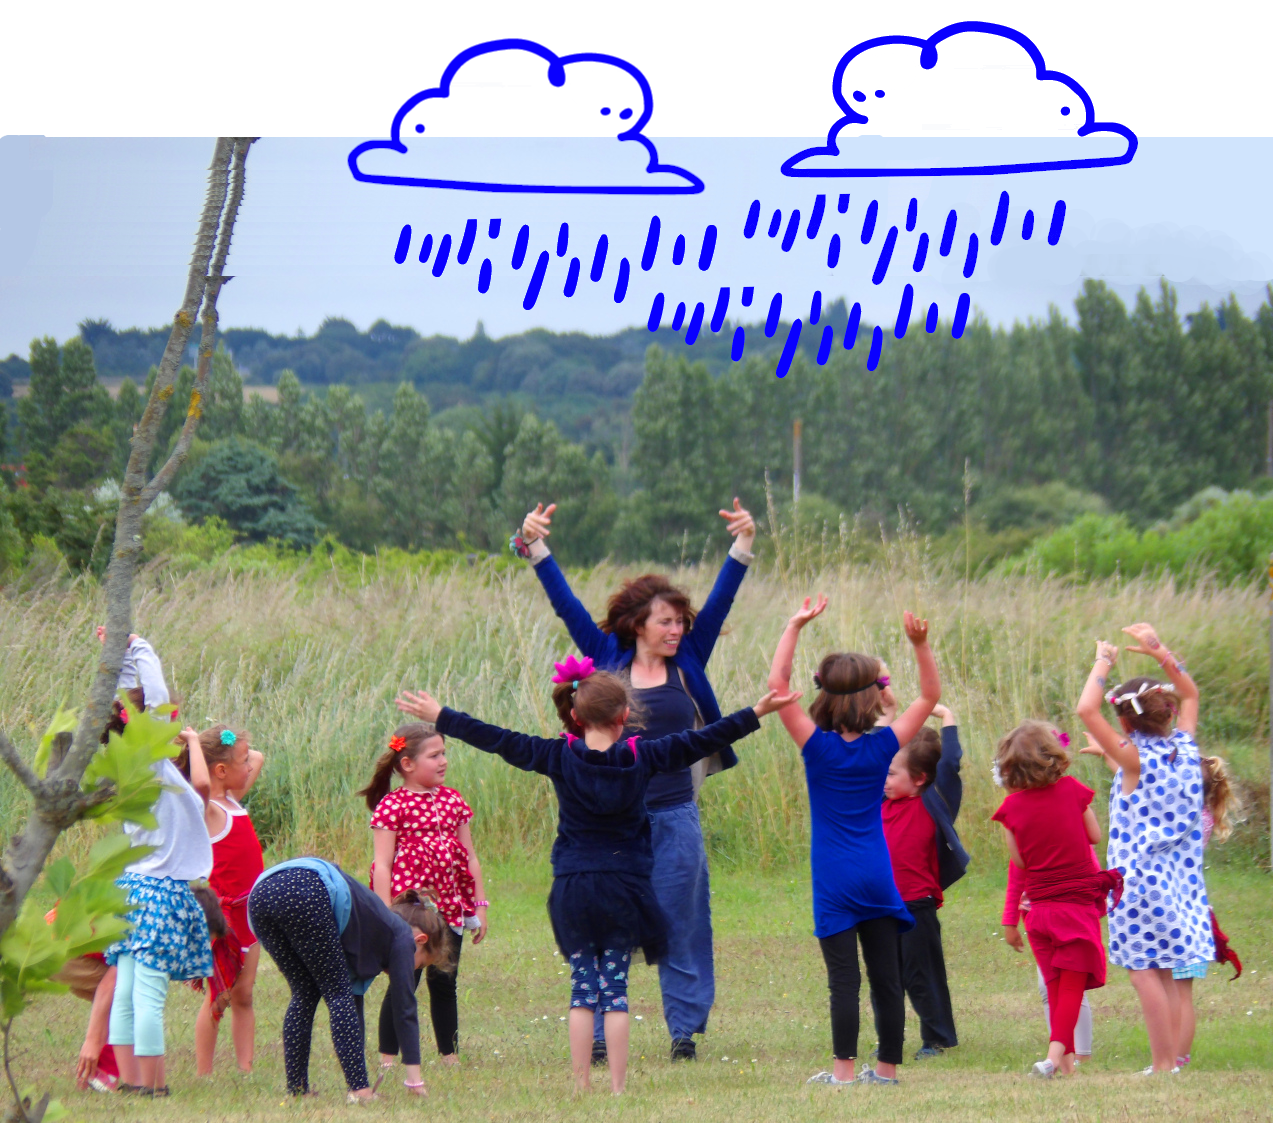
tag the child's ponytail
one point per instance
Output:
(382, 775)
(406, 742)
(1220, 798)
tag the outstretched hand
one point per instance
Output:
(773, 701)
(739, 523)
(1107, 652)
(808, 612)
(1092, 747)
(1148, 643)
(536, 523)
(917, 630)
(420, 704)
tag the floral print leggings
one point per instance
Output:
(600, 980)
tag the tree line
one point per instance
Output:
(1123, 411)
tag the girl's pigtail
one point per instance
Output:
(381, 777)
(1220, 798)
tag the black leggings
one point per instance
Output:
(442, 1006)
(294, 921)
(879, 937)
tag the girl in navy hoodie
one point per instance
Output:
(602, 905)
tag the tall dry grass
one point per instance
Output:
(309, 661)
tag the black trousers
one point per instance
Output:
(443, 1009)
(879, 939)
(924, 975)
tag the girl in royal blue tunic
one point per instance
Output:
(602, 905)
(855, 900)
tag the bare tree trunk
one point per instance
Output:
(57, 799)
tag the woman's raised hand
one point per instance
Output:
(420, 704)
(1108, 652)
(536, 524)
(1148, 643)
(808, 612)
(917, 630)
(773, 701)
(740, 524)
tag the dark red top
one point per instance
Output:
(1048, 825)
(913, 847)
(236, 853)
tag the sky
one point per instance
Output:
(105, 228)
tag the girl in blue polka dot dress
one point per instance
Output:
(1162, 922)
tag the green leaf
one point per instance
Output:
(62, 723)
(59, 876)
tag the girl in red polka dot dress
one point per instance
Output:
(421, 838)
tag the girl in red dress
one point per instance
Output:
(421, 839)
(233, 767)
(1051, 827)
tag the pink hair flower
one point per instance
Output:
(1063, 738)
(882, 682)
(572, 670)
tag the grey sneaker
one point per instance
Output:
(826, 1078)
(869, 1077)
(1043, 1069)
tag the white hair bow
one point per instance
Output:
(1133, 697)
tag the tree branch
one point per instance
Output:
(18, 765)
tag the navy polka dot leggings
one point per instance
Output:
(293, 918)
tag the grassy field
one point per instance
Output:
(768, 1032)
(308, 659)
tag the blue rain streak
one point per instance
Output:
(656, 312)
(912, 208)
(440, 259)
(1001, 217)
(971, 258)
(816, 306)
(519, 247)
(886, 253)
(537, 279)
(679, 316)
(948, 234)
(851, 326)
(621, 282)
(493, 229)
(869, 222)
(922, 252)
(772, 317)
(466, 242)
(842, 204)
(816, 216)
(679, 250)
(1055, 226)
(736, 344)
(572, 278)
(825, 345)
(904, 312)
(789, 349)
(708, 248)
(833, 252)
(696, 322)
(789, 235)
(404, 244)
(563, 239)
(931, 320)
(718, 313)
(754, 217)
(599, 260)
(484, 275)
(775, 220)
(877, 342)
(1028, 226)
(746, 298)
(652, 244)
(426, 248)
(961, 316)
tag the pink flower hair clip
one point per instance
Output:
(1063, 738)
(572, 670)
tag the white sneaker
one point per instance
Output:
(826, 1078)
(1043, 1069)
(1150, 1071)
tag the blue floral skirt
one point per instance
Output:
(170, 932)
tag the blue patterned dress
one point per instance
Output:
(1156, 842)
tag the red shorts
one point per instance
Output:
(1067, 935)
(237, 916)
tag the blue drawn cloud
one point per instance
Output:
(929, 60)
(557, 65)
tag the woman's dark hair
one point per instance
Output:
(415, 736)
(1158, 702)
(214, 750)
(849, 698)
(416, 908)
(923, 753)
(599, 701)
(629, 606)
(207, 898)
